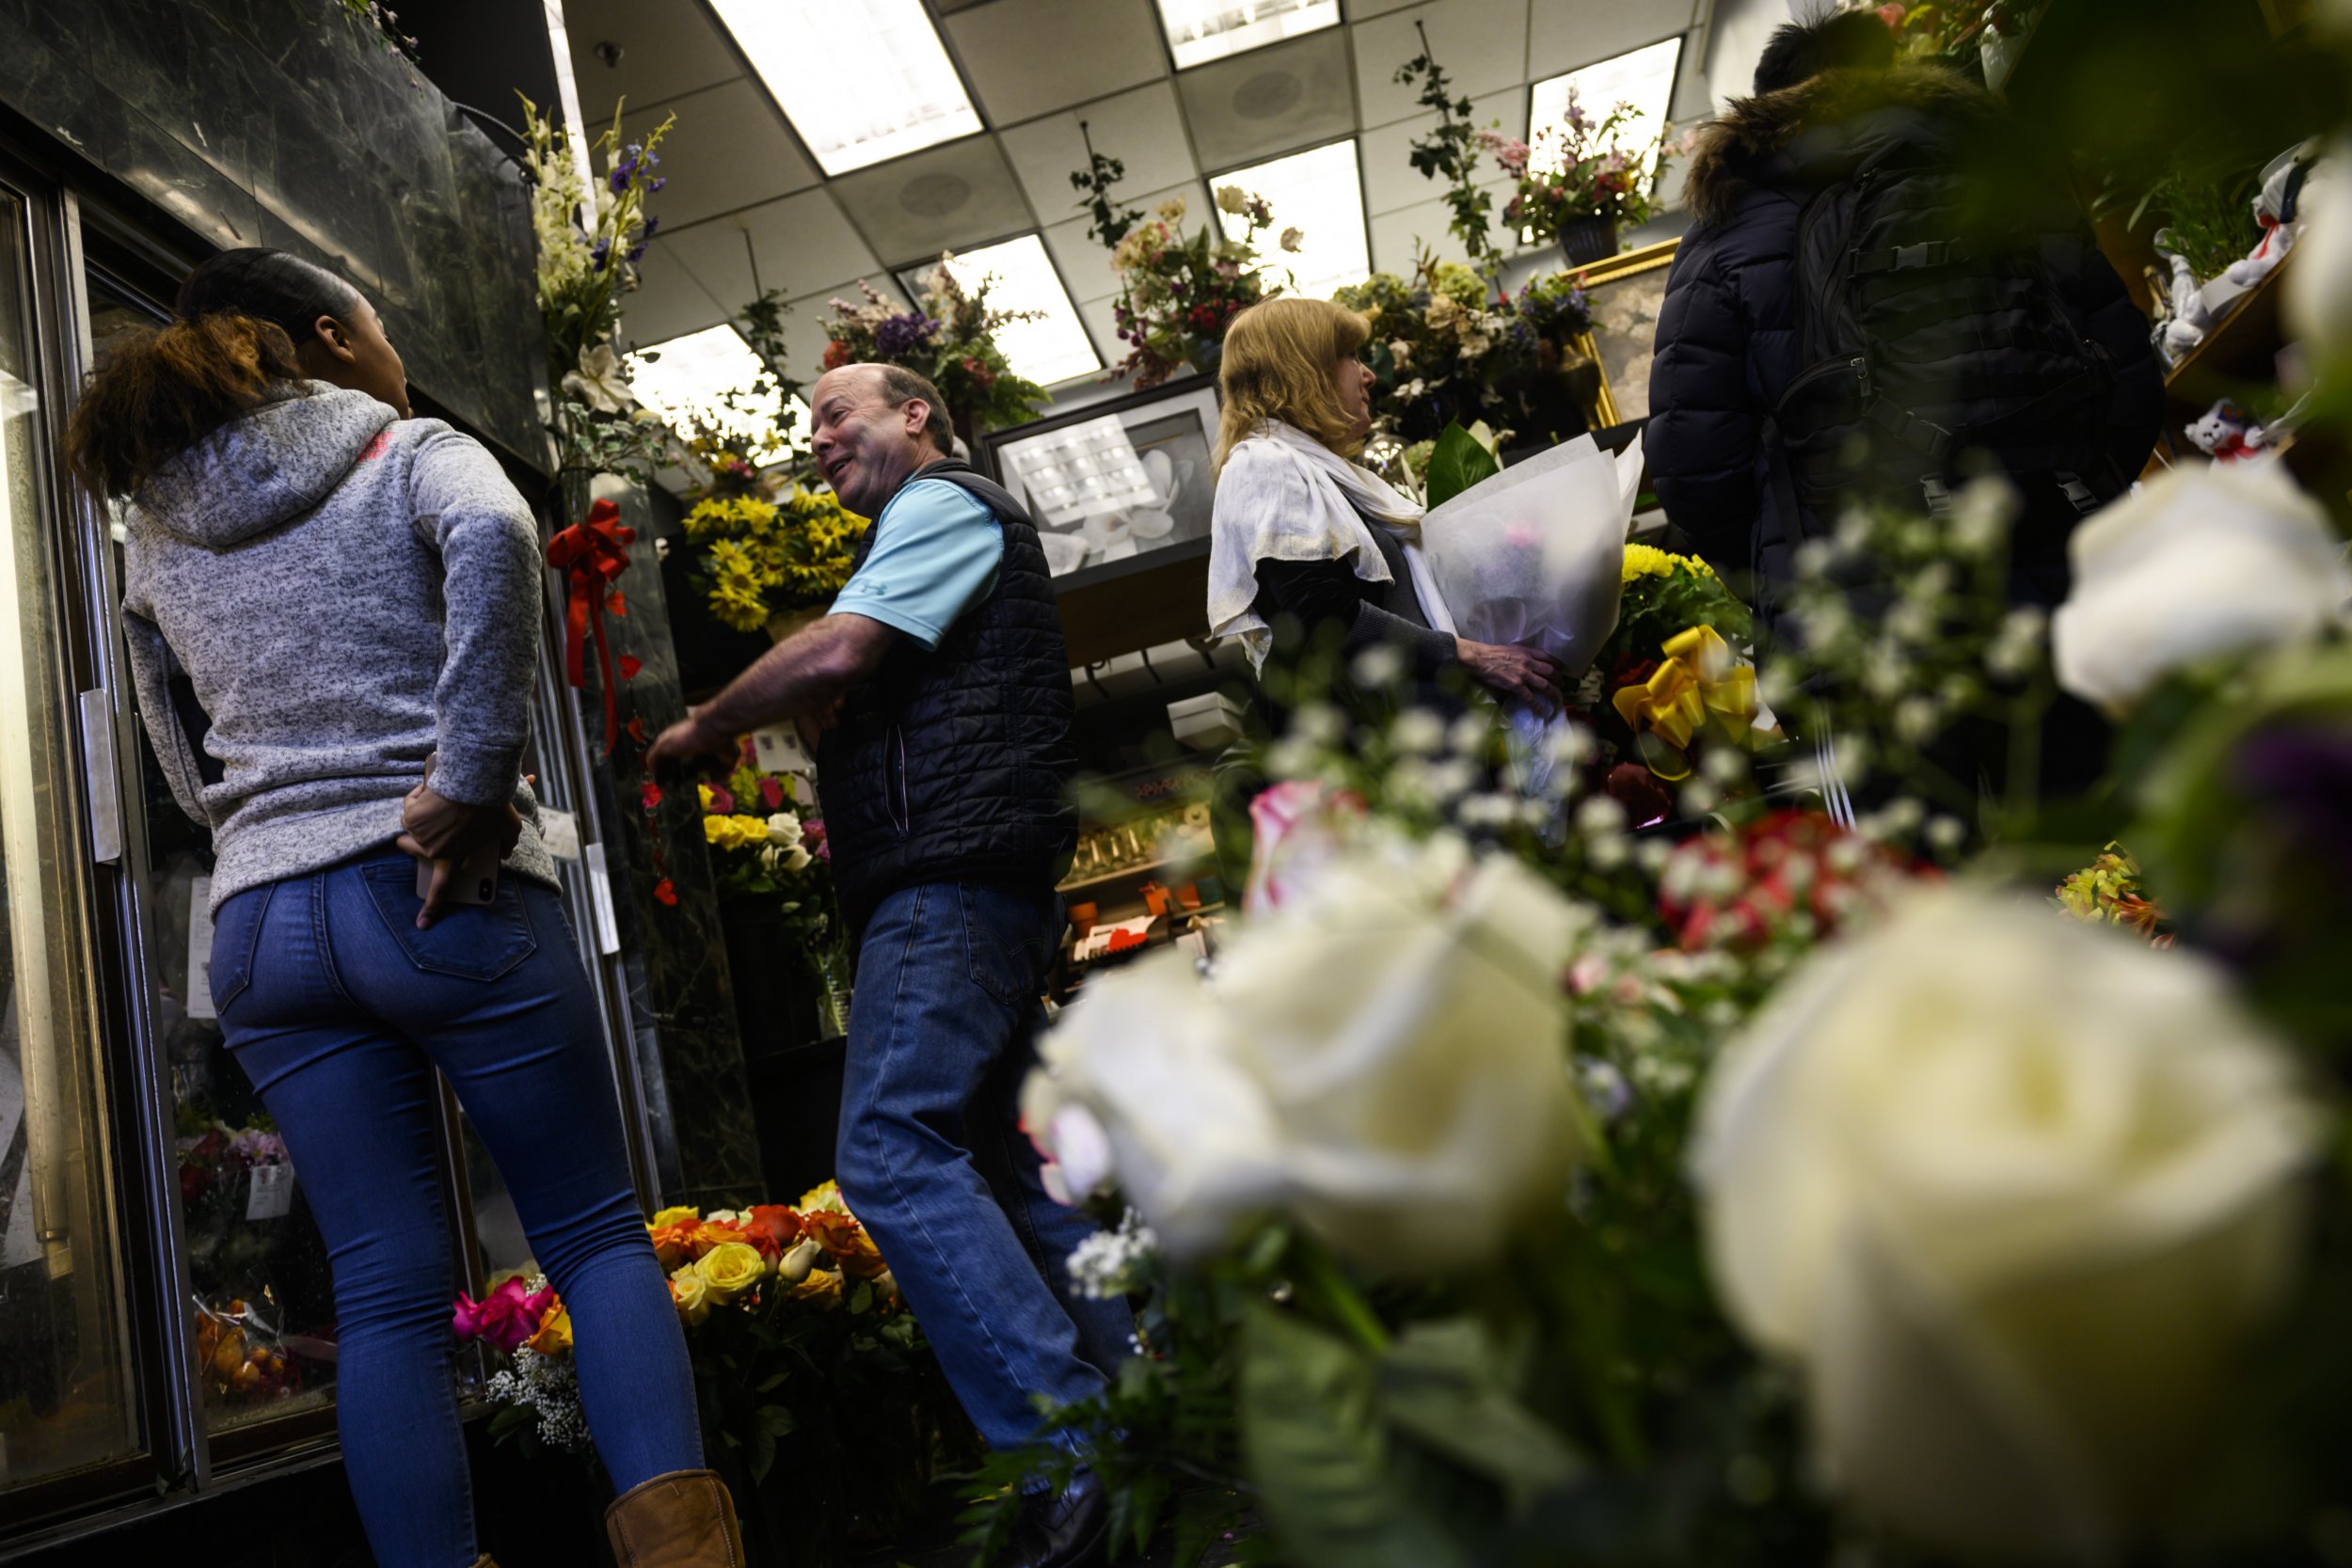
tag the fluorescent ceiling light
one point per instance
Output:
(860, 80)
(1321, 194)
(1055, 347)
(1644, 78)
(1203, 30)
(686, 379)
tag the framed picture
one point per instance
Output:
(1624, 294)
(1118, 485)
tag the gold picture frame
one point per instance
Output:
(1624, 292)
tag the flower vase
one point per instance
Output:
(831, 966)
(1205, 355)
(1585, 241)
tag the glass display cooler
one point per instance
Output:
(166, 1321)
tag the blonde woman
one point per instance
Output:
(1313, 555)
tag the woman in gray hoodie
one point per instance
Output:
(333, 613)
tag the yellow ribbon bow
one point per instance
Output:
(1700, 679)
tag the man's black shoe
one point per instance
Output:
(1072, 1530)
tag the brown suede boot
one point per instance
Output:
(682, 1520)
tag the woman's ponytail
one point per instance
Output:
(166, 388)
(230, 346)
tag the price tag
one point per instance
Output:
(560, 829)
(201, 949)
(272, 1193)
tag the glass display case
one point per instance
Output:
(68, 1400)
(167, 1310)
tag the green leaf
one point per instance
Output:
(776, 1421)
(1312, 1429)
(763, 1454)
(1443, 1385)
(1458, 463)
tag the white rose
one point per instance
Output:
(794, 1265)
(1384, 1059)
(2006, 1189)
(784, 830)
(2225, 559)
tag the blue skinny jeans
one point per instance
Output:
(933, 1159)
(339, 1009)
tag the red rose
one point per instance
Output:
(1637, 789)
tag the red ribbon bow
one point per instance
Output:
(592, 553)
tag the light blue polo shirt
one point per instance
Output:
(936, 550)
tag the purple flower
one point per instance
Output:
(901, 336)
(603, 253)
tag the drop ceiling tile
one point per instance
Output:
(1481, 45)
(910, 208)
(796, 238)
(669, 301)
(729, 149)
(1361, 10)
(1086, 263)
(1247, 108)
(1390, 180)
(1398, 236)
(1141, 128)
(1566, 35)
(1029, 57)
(667, 51)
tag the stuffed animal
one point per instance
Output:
(2185, 324)
(2228, 434)
(2278, 209)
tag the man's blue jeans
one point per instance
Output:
(933, 1159)
(339, 1009)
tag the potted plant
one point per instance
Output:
(1583, 183)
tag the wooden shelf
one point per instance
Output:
(2244, 347)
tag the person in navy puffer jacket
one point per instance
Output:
(1729, 333)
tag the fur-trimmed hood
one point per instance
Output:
(1735, 149)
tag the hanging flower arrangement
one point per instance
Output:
(1587, 170)
(1443, 349)
(590, 241)
(1178, 292)
(950, 338)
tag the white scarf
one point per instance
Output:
(1284, 495)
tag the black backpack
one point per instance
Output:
(1936, 349)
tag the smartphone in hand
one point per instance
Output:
(476, 881)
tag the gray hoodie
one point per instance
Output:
(342, 592)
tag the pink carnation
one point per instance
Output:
(503, 1319)
(813, 839)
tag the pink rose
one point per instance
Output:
(1297, 824)
(813, 839)
(503, 1319)
(771, 793)
(721, 801)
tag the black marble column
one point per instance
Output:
(689, 1053)
(284, 123)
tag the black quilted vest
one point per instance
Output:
(954, 766)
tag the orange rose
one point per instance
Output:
(716, 1233)
(844, 1239)
(673, 1244)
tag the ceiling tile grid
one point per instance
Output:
(744, 195)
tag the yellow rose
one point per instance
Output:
(682, 1215)
(555, 1335)
(691, 1293)
(826, 1196)
(730, 1269)
(820, 1290)
(703, 792)
(715, 831)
